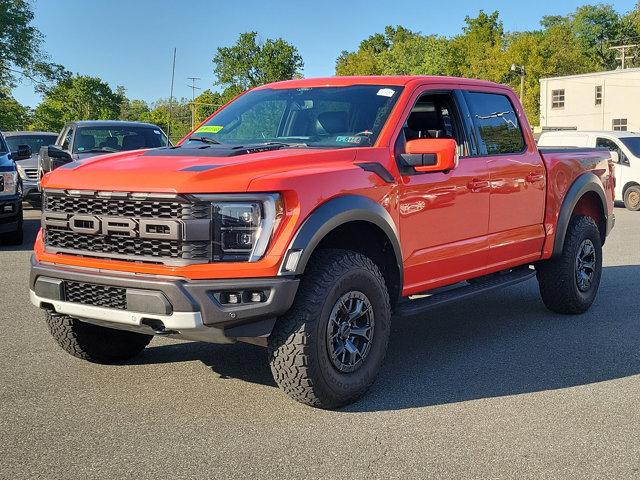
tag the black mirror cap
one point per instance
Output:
(23, 153)
(58, 153)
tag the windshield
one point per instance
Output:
(317, 117)
(633, 144)
(117, 139)
(34, 141)
(3, 146)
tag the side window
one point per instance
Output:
(496, 123)
(66, 139)
(433, 116)
(612, 147)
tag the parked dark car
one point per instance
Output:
(89, 138)
(11, 193)
(28, 168)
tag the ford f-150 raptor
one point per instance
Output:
(303, 213)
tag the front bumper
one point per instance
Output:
(10, 209)
(190, 309)
(30, 190)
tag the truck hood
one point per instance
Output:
(189, 170)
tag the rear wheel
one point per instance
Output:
(327, 350)
(569, 283)
(94, 343)
(632, 198)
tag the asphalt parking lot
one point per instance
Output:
(495, 388)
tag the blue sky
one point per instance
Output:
(131, 42)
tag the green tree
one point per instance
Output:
(13, 116)
(77, 98)
(180, 117)
(21, 48)
(249, 63)
(131, 110)
(595, 28)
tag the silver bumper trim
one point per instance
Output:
(188, 325)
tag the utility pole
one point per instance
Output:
(623, 53)
(193, 100)
(521, 71)
(173, 74)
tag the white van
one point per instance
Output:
(626, 144)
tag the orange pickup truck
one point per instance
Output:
(304, 215)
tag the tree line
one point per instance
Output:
(563, 45)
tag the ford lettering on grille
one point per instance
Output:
(169, 229)
(116, 226)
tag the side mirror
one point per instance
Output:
(58, 153)
(23, 153)
(431, 154)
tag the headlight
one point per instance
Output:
(21, 172)
(8, 183)
(242, 224)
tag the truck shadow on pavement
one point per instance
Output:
(505, 343)
(31, 227)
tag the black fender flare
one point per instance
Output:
(587, 182)
(336, 212)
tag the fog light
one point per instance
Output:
(233, 298)
(256, 297)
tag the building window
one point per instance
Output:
(619, 124)
(598, 94)
(557, 98)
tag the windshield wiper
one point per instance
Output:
(212, 141)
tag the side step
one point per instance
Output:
(466, 290)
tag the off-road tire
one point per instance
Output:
(16, 237)
(94, 343)
(557, 278)
(632, 198)
(298, 346)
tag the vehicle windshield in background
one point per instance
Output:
(3, 146)
(317, 117)
(117, 139)
(34, 141)
(633, 144)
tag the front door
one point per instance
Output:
(444, 216)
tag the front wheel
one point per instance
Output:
(569, 283)
(327, 350)
(94, 343)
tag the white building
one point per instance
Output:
(592, 101)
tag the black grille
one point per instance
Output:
(180, 209)
(96, 295)
(114, 246)
(125, 207)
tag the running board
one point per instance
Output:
(479, 286)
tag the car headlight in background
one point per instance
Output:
(8, 183)
(242, 225)
(21, 172)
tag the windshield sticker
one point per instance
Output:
(347, 139)
(157, 132)
(386, 92)
(209, 129)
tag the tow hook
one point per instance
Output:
(158, 327)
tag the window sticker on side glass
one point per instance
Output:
(386, 92)
(209, 129)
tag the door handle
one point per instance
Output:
(477, 184)
(534, 177)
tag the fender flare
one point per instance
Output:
(587, 182)
(339, 211)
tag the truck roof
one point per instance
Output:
(399, 80)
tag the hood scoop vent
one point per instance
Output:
(218, 151)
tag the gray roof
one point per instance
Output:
(110, 123)
(26, 134)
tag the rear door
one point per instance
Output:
(518, 178)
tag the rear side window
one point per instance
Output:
(496, 123)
